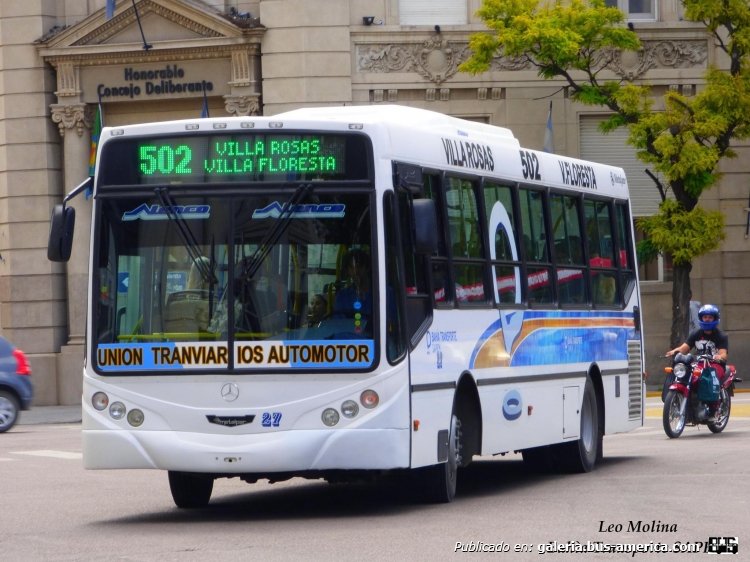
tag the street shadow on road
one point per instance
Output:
(304, 500)
(498, 476)
(317, 499)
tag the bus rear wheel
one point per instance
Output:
(190, 490)
(582, 454)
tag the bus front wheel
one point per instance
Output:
(190, 490)
(438, 482)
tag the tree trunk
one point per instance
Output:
(681, 295)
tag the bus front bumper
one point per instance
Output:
(294, 451)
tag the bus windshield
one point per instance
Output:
(242, 282)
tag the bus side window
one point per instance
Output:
(466, 241)
(566, 232)
(539, 270)
(440, 275)
(418, 302)
(503, 237)
(602, 264)
(626, 259)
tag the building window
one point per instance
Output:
(635, 9)
(433, 12)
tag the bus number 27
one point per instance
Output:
(270, 419)
(530, 165)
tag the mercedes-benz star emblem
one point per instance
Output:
(230, 392)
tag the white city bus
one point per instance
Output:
(495, 308)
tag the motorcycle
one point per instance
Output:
(694, 395)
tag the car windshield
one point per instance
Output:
(235, 282)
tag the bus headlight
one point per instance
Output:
(99, 401)
(330, 417)
(349, 408)
(369, 399)
(117, 410)
(135, 417)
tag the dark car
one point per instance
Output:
(16, 391)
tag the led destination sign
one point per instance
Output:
(231, 158)
(240, 157)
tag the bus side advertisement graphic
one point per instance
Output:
(547, 338)
(247, 355)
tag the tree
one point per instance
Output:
(684, 141)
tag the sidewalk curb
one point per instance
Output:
(50, 415)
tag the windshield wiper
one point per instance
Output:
(273, 235)
(188, 238)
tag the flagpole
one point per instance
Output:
(146, 46)
(204, 109)
(548, 136)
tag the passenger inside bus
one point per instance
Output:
(355, 297)
(318, 310)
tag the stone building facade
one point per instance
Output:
(60, 60)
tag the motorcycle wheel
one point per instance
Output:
(722, 414)
(673, 421)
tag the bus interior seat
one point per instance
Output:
(187, 311)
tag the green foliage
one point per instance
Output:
(680, 233)
(553, 36)
(647, 251)
(572, 41)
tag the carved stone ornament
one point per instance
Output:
(69, 117)
(67, 80)
(655, 54)
(436, 59)
(242, 105)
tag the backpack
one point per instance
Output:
(708, 385)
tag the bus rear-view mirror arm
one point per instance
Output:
(62, 225)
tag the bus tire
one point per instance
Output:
(582, 454)
(438, 482)
(189, 489)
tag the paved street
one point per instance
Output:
(650, 489)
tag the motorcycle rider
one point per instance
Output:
(707, 339)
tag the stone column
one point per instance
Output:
(74, 125)
(244, 98)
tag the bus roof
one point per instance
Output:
(402, 116)
(421, 137)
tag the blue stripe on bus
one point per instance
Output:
(555, 344)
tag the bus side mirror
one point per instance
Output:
(62, 225)
(424, 216)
